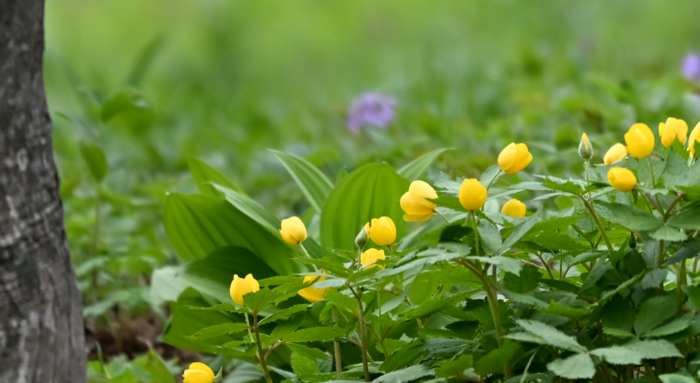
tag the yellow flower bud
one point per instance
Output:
(415, 204)
(198, 373)
(311, 293)
(693, 139)
(622, 179)
(241, 287)
(472, 194)
(514, 208)
(639, 140)
(615, 153)
(372, 255)
(382, 231)
(585, 150)
(672, 129)
(514, 158)
(293, 230)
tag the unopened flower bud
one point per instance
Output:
(361, 239)
(585, 149)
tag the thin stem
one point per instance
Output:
(673, 204)
(680, 281)
(472, 217)
(363, 333)
(527, 367)
(660, 258)
(651, 167)
(442, 216)
(654, 203)
(307, 254)
(493, 179)
(336, 347)
(261, 355)
(601, 228)
(250, 334)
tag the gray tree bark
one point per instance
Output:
(41, 328)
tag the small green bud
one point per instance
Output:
(585, 150)
(361, 239)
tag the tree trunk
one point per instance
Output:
(41, 328)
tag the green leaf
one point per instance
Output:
(259, 300)
(197, 225)
(315, 334)
(250, 208)
(220, 329)
(314, 184)
(686, 219)
(518, 233)
(490, 175)
(489, 237)
(308, 352)
(405, 375)
(655, 311)
(676, 378)
(627, 216)
(301, 365)
(213, 275)
(285, 313)
(577, 366)
(152, 363)
(435, 304)
(342, 301)
(689, 249)
(455, 367)
(550, 335)
(371, 191)
(618, 313)
(185, 320)
(95, 160)
(527, 281)
(673, 327)
(670, 234)
(496, 359)
(414, 169)
(693, 293)
(126, 101)
(508, 264)
(206, 176)
(636, 350)
(285, 328)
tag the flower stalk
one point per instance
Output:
(261, 355)
(363, 333)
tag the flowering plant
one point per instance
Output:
(595, 282)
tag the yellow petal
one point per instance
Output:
(514, 208)
(412, 203)
(622, 179)
(422, 189)
(202, 367)
(472, 194)
(293, 230)
(417, 217)
(616, 153)
(639, 140)
(196, 376)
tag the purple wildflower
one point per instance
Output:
(371, 109)
(691, 67)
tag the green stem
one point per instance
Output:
(493, 179)
(261, 355)
(307, 254)
(336, 347)
(651, 168)
(363, 333)
(250, 334)
(442, 216)
(680, 281)
(472, 217)
(601, 228)
(660, 258)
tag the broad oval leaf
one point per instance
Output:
(414, 169)
(206, 176)
(371, 191)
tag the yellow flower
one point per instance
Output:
(415, 204)
(514, 158)
(671, 129)
(615, 153)
(198, 373)
(382, 231)
(514, 208)
(639, 140)
(585, 150)
(622, 179)
(472, 194)
(693, 139)
(241, 287)
(311, 293)
(372, 255)
(293, 230)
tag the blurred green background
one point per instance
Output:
(151, 82)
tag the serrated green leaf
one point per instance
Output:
(303, 366)
(314, 334)
(259, 300)
(456, 367)
(489, 237)
(686, 219)
(527, 281)
(669, 234)
(220, 329)
(518, 233)
(284, 314)
(627, 216)
(508, 264)
(676, 378)
(689, 249)
(673, 327)
(551, 335)
(308, 352)
(405, 375)
(655, 311)
(435, 304)
(577, 366)
(496, 359)
(342, 301)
